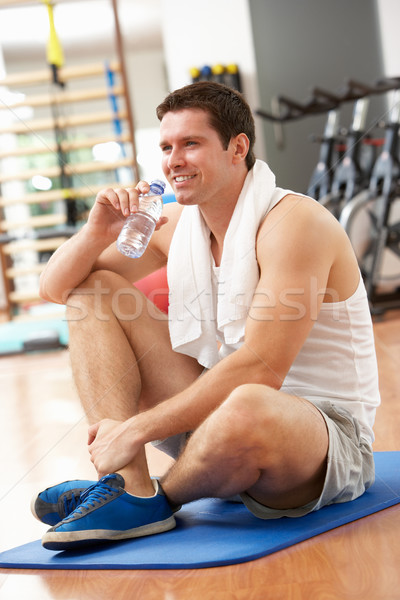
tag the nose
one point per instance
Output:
(175, 158)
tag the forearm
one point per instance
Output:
(70, 265)
(113, 444)
(188, 409)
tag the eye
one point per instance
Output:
(166, 148)
(191, 143)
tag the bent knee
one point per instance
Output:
(102, 280)
(251, 391)
(250, 400)
(101, 292)
(252, 411)
(245, 414)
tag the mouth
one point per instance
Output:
(182, 178)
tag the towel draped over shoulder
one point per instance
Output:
(193, 323)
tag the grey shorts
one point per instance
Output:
(350, 464)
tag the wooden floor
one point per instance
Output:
(42, 441)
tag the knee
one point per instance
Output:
(101, 281)
(248, 405)
(101, 293)
(242, 420)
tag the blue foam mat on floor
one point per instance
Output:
(211, 533)
(14, 334)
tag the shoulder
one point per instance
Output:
(299, 219)
(293, 207)
(300, 237)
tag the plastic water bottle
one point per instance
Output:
(139, 226)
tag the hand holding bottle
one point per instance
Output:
(140, 225)
(113, 206)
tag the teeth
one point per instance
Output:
(183, 178)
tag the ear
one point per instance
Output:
(240, 147)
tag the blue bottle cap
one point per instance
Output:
(157, 186)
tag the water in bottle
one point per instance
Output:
(139, 226)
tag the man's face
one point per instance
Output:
(193, 158)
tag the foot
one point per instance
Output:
(108, 513)
(55, 503)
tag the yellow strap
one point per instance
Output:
(55, 55)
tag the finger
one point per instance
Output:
(92, 433)
(133, 200)
(108, 196)
(161, 221)
(143, 187)
(99, 471)
(123, 197)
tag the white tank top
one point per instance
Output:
(337, 361)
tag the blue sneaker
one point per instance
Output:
(108, 513)
(55, 503)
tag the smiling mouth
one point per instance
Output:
(181, 178)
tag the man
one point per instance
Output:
(262, 380)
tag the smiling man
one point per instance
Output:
(240, 382)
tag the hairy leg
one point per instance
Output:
(121, 357)
(267, 443)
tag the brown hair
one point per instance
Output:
(229, 114)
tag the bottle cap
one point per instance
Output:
(157, 186)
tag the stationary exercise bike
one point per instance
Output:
(321, 179)
(372, 221)
(351, 173)
(362, 191)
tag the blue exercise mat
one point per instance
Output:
(21, 336)
(213, 533)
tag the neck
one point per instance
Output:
(218, 222)
(217, 217)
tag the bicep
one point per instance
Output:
(294, 271)
(278, 323)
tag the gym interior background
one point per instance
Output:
(299, 62)
(117, 66)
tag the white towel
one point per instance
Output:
(192, 322)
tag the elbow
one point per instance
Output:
(258, 369)
(44, 295)
(42, 289)
(44, 292)
(266, 376)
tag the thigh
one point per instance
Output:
(349, 472)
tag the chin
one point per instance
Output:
(185, 200)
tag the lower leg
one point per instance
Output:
(107, 378)
(114, 351)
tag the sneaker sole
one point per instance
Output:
(69, 540)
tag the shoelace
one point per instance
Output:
(96, 493)
(71, 503)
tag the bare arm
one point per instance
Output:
(93, 247)
(284, 308)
